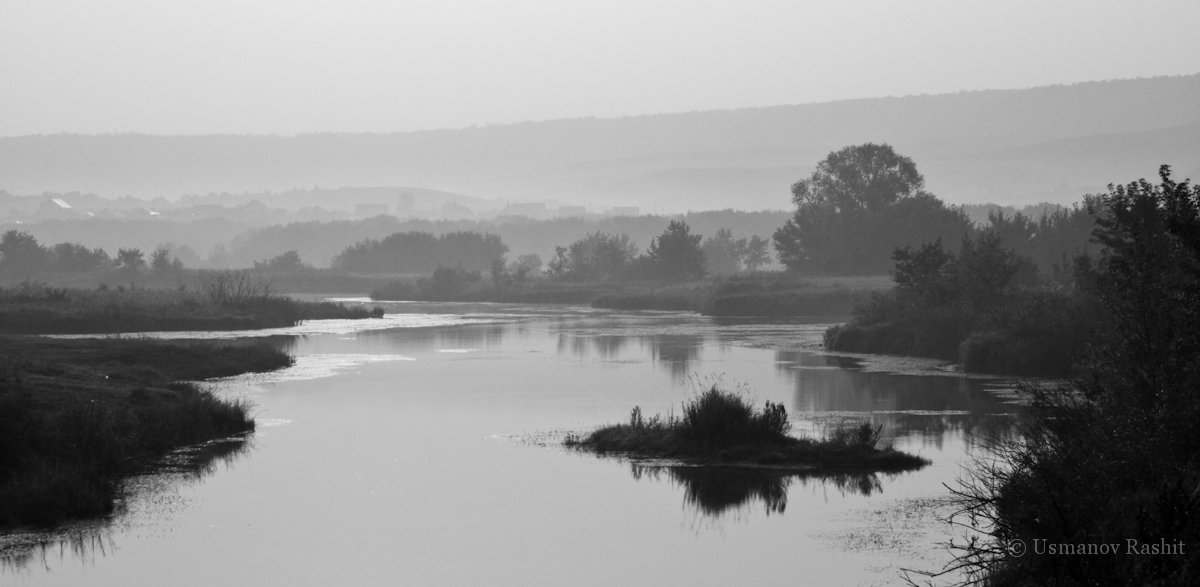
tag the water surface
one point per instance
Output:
(422, 449)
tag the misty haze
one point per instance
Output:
(544, 293)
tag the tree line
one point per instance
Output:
(22, 256)
(864, 201)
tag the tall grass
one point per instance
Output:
(63, 463)
(720, 427)
(31, 308)
(77, 415)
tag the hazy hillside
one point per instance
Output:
(1020, 145)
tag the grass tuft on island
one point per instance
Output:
(76, 416)
(722, 428)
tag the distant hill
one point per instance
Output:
(1009, 146)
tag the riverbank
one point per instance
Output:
(720, 428)
(40, 309)
(753, 294)
(1032, 333)
(76, 416)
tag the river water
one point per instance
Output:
(425, 449)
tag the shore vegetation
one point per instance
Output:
(77, 416)
(228, 300)
(722, 428)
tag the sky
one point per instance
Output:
(301, 66)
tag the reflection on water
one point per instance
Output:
(86, 541)
(715, 490)
(18, 552)
(390, 457)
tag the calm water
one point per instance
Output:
(422, 449)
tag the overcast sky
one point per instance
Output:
(294, 66)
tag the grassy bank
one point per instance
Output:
(452, 285)
(753, 294)
(782, 294)
(39, 309)
(720, 428)
(78, 415)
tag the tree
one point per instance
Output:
(925, 274)
(597, 256)
(1149, 278)
(130, 260)
(285, 262)
(1112, 453)
(525, 266)
(20, 253)
(722, 253)
(867, 177)
(756, 253)
(676, 254)
(74, 257)
(857, 206)
(422, 252)
(160, 259)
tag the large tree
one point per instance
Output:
(676, 253)
(857, 206)
(867, 177)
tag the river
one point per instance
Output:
(425, 449)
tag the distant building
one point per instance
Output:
(56, 208)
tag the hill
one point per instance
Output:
(1032, 144)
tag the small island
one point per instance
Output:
(722, 428)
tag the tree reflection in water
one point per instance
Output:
(714, 490)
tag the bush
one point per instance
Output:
(723, 418)
(863, 436)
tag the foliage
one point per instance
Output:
(864, 435)
(130, 260)
(20, 253)
(422, 252)
(970, 307)
(676, 253)
(596, 257)
(724, 418)
(723, 254)
(235, 287)
(76, 258)
(723, 428)
(757, 255)
(858, 205)
(285, 262)
(525, 267)
(1048, 244)
(1113, 455)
